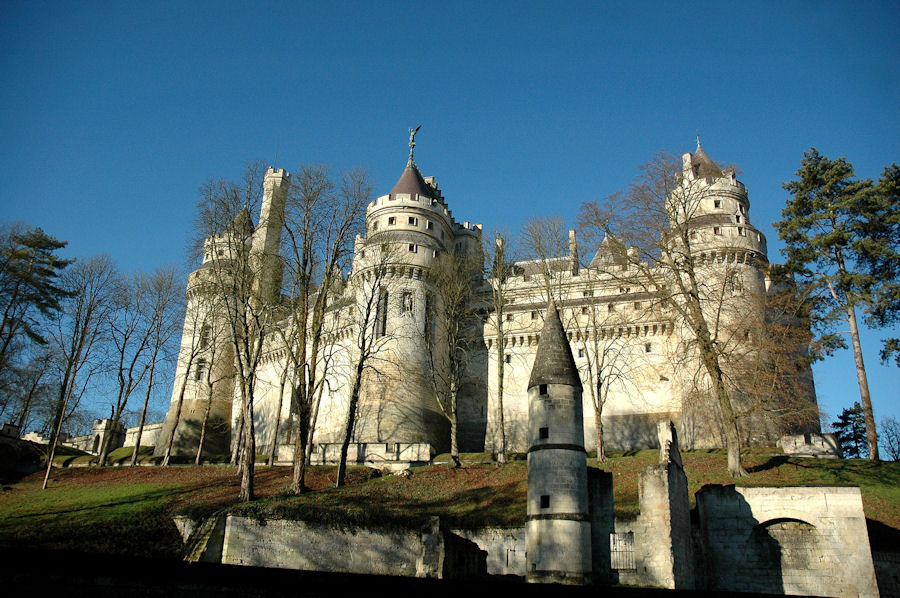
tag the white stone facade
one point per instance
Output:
(598, 311)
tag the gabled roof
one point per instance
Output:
(554, 363)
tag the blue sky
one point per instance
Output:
(112, 114)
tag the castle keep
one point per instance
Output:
(400, 417)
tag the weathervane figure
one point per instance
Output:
(412, 143)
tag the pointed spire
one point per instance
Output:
(412, 144)
(554, 363)
(411, 180)
(703, 164)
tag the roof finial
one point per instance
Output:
(412, 144)
(698, 141)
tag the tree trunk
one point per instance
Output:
(454, 428)
(171, 439)
(61, 410)
(348, 428)
(871, 435)
(732, 435)
(137, 441)
(598, 425)
(501, 366)
(205, 423)
(301, 437)
(248, 455)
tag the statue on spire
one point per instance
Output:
(412, 143)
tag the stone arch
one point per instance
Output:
(788, 556)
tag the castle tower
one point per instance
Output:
(406, 230)
(557, 528)
(267, 236)
(204, 377)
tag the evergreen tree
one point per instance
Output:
(29, 288)
(841, 237)
(850, 428)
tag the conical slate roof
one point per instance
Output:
(703, 164)
(242, 223)
(411, 182)
(554, 363)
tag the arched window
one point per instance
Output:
(205, 333)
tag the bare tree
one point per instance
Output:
(243, 275)
(368, 287)
(499, 258)
(890, 432)
(544, 241)
(165, 313)
(454, 276)
(131, 333)
(77, 335)
(654, 234)
(321, 220)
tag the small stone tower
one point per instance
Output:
(558, 528)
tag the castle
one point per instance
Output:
(647, 372)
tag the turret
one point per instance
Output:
(557, 529)
(267, 237)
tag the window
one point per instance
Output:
(534, 315)
(545, 501)
(200, 369)
(624, 290)
(584, 309)
(542, 389)
(741, 231)
(610, 308)
(717, 203)
(587, 294)
(544, 433)
(737, 219)
(648, 348)
(392, 221)
(429, 225)
(741, 208)
(375, 225)
(509, 317)
(637, 305)
(716, 230)
(413, 221)
(381, 314)
(413, 248)
(580, 352)
(205, 332)
(508, 358)
(406, 302)
(220, 252)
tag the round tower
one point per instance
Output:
(557, 528)
(406, 230)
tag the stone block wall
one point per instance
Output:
(428, 552)
(505, 548)
(806, 541)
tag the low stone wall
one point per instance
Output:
(505, 548)
(807, 541)
(426, 552)
(149, 436)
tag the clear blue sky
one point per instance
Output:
(112, 114)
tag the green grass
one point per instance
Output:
(128, 511)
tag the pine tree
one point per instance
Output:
(841, 237)
(29, 287)
(850, 428)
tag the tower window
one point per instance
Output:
(534, 315)
(392, 221)
(737, 219)
(508, 358)
(545, 501)
(406, 302)
(580, 352)
(717, 230)
(741, 231)
(610, 308)
(429, 225)
(200, 369)
(584, 310)
(637, 305)
(413, 221)
(717, 203)
(542, 389)
(413, 248)
(648, 348)
(509, 317)
(205, 332)
(587, 293)
(375, 225)
(544, 433)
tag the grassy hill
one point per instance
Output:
(119, 510)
